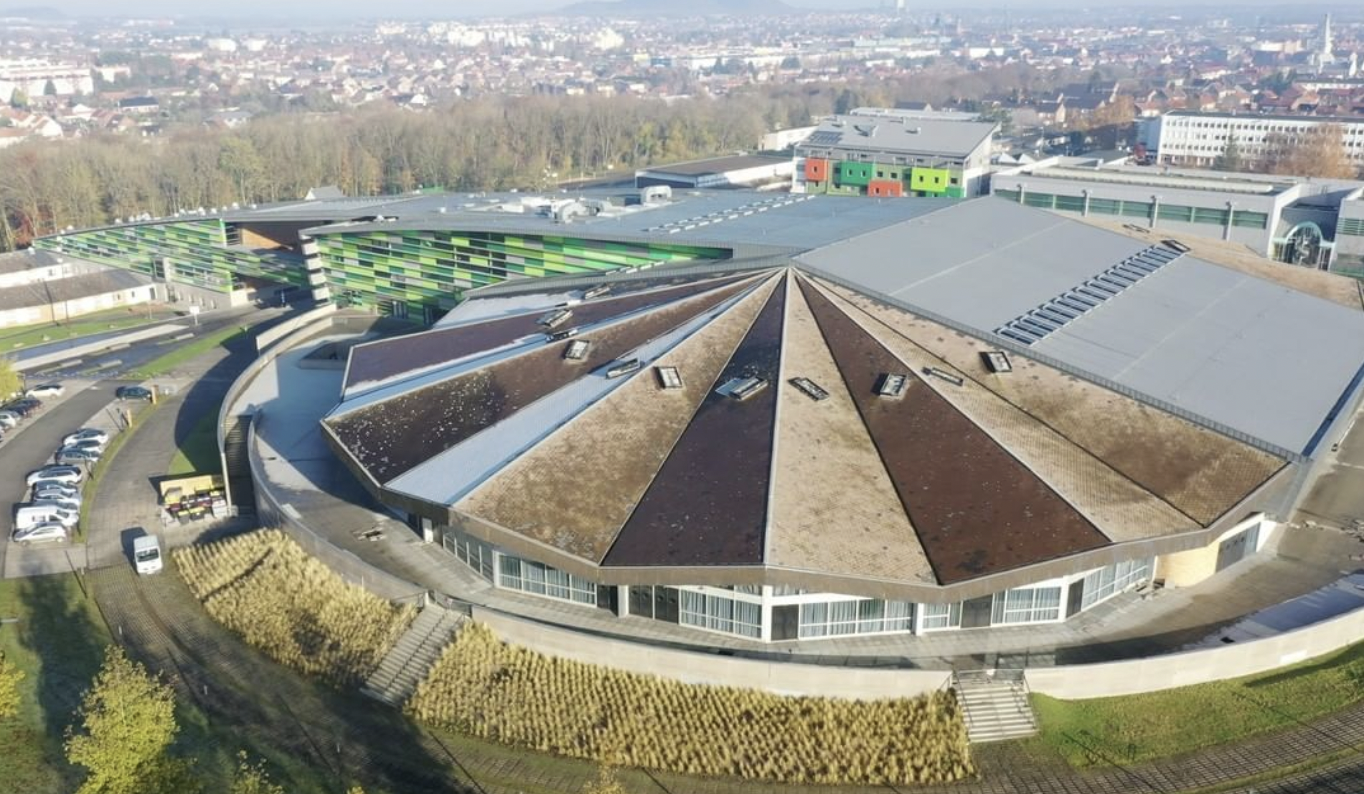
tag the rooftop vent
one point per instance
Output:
(811, 389)
(577, 350)
(557, 317)
(566, 333)
(1175, 245)
(668, 377)
(742, 388)
(997, 361)
(623, 368)
(596, 292)
(892, 385)
(943, 374)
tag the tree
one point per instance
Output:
(19, 99)
(1318, 151)
(127, 724)
(1230, 159)
(10, 676)
(9, 383)
(252, 778)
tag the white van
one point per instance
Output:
(32, 515)
(147, 554)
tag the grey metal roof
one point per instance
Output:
(898, 134)
(1255, 356)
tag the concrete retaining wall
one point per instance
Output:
(271, 335)
(1077, 682)
(782, 678)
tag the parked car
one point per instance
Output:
(31, 515)
(69, 505)
(66, 474)
(147, 554)
(133, 393)
(46, 390)
(76, 456)
(8, 419)
(84, 434)
(49, 531)
(22, 408)
(52, 489)
(86, 443)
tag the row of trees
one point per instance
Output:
(492, 144)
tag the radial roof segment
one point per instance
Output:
(776, 424)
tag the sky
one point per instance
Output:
(435, 9)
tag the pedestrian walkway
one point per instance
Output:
(413, 655)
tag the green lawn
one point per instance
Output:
(185, 353)
(1176, 721)
(198, 453)
(99, 322)
(58, 642)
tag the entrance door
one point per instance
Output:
(1237, 547)
(786, 622)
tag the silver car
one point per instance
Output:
(54, 489)
(39, 533)
(66, 474)
(86, 434)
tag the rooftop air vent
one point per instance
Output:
(596, 292)
(997, 361)
(1175, 245)
(566, 333)
(669, 378)
(577, 350)
(943, 374)
(742, 388)
(892, 385)
(553, 318)
(811, 389)
(623, 368)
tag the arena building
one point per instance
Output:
(864, 418)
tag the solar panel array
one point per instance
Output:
(1037, 324)
(824, 138)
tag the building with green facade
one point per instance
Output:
(417, 256)
(890, 154)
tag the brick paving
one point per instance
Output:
(161, 623)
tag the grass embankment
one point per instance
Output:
(263, 586)
(198, 453)
(88, 325)
(517, 696)
(58, 641)
(186, 352)
(1176, 721)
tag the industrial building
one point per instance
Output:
(1316, 223)
(864, 418)
(890, 154)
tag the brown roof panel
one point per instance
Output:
(621, 440)
(393, 436)
(833, 507)
(976, 509)
(387, 358)
(1199, 472)
(708, 504)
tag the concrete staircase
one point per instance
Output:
(995, 705)
(412, 656)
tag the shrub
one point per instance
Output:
(263, 586)
(486, 688)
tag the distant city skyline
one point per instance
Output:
(471, 8)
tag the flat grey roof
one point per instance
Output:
(1258, 357)
(716, 165)
(898, 134)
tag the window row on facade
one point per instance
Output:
(1138, 209)
(779, 613)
